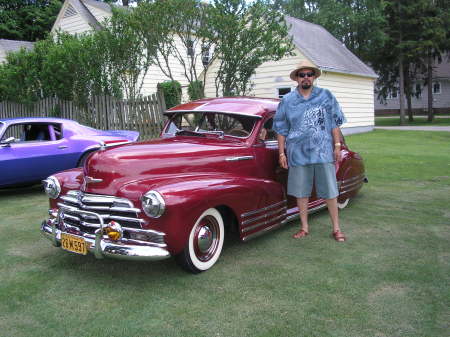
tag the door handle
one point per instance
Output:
(62, 147)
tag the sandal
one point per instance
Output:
(300, 234)
(339, 236)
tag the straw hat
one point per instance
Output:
(304, 64)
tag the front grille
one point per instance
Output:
(107, 207)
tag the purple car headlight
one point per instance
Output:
(52, 187)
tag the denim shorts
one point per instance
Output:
(301, 178)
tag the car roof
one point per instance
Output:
(36, 120)
(250, 106)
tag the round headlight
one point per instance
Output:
(52, 187)
(153, 204)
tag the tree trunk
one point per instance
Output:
(408, 92)
(401, 95)
(430, 88)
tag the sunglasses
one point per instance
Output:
(302, 75)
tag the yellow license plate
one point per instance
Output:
(73, 244)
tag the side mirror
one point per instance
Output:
(7, 142)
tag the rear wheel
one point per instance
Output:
(205, 243)
(343, 204)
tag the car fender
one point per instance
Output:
(186, 198)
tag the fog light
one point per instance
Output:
(114, 231)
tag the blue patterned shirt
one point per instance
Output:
(307, 125)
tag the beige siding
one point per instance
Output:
(99, 14)
(73, 25)
(355, 94)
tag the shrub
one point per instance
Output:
(195, 90)
(172, 92)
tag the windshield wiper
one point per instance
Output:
(189, 133)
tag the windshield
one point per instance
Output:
(210, 123)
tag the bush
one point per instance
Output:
(172, 92)
(195, 90)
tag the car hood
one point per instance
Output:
(108, 170)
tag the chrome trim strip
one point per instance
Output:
(243, 215)
(351, 184)
(265, 230)
(239, 158)
(265, 215)
(352, 178)
(249, 228)
(352, 189)
(311, 211)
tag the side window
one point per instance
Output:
(283, 91)
(267, 133)
(13, 131)
(56, 129)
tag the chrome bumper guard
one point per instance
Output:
(122, 249)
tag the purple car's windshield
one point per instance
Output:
(204, 123)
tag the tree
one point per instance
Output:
(356, 23)
(182, 26)
(27, 20)
(245, 35)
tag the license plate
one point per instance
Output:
(73, 244)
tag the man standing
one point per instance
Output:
(307, 125)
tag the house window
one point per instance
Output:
(190, 47)
(283, 91)
(205, 55)
(392, 94)
(436, 87)
(418, 90)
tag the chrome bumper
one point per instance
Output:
(101, 247)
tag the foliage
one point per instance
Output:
(245, 35)
(128, 56)
(27, 20)
(172, 92)
(182, 25)
(357, 23)
(196, 90)
(408, 49)
(111, 61)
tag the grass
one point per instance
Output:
(391, 278)
(418, 121)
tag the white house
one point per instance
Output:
(351, 81)
(440, 90)
(9, 46)
(83, 16)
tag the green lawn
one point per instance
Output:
(418, 121)
(390, 279)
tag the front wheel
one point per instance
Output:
(205, 243)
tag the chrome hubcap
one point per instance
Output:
(204, 239)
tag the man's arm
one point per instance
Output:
(336, 132)
(282, 158)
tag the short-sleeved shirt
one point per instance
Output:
(307, 125)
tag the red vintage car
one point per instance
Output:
(213, 171)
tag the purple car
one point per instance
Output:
(31, 149)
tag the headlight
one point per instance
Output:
(153, 204)
(52, 187)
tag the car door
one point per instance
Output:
(32, 156)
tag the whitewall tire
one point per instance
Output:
(205, 242)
